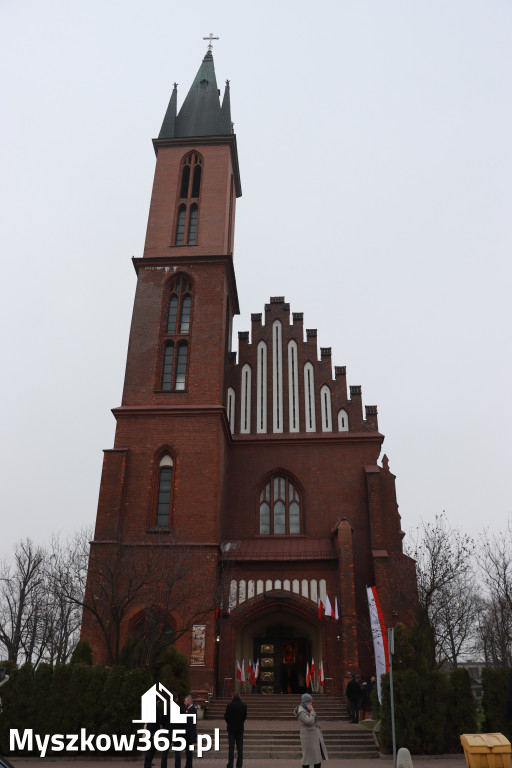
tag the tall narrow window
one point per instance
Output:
(245, 400)
(187, 215)
(293, 387)
(309, 398)
(175, 348)
(164, 490)
(277, 378)
(181, 366)
(173, 314)
(180, 228)
(168, 364)
(185, 314)
(231, 409)
(279, 507)
(325, 403)
(192, 229)
(261, 389)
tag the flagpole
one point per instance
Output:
(391, 646)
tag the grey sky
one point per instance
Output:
(375, 154)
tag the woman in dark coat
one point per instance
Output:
(311, 739)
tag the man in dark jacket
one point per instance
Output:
(190, 734)
(235, 714)
(353, 694)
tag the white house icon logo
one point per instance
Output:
(170, 708)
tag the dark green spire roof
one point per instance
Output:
(201, 113)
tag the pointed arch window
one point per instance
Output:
(179, 322)
(165, 476)
(342, 421)
(187, 213)
(325, 405)
(279, 507)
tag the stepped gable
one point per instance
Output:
(280, 384)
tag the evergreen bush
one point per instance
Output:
(431, 711)
(495, 684)
(80, 695)
(461, 709)
(82, 653)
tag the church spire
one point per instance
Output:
(201, 113)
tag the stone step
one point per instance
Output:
(281, 707)
(351, 743)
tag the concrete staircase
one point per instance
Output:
(281, 707)
(272, 731)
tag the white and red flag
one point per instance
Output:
(249, 672)
(308, 676)
(312, 671)
(238, 670)
(257, 672)
(328, 609)
(336, 614)
(242, 675)
(320, 608)
(321, 673)
(380, 636)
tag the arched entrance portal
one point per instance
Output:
(284, 642)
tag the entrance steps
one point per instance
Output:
(353, 743)
(272, 731)
(276, 707)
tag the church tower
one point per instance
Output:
(164, 478)
(243, 493)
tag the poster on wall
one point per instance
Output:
(198, 645)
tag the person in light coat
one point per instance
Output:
(311, 739)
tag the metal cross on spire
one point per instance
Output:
(210, 38)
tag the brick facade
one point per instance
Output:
(276, 496)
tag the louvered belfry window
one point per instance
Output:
(176, 336)
(187, 212)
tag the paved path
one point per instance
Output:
(456, 761)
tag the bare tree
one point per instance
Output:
(21, 601)
(495, 615)
(108, 580)
(446, 587)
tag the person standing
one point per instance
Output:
(162, 723)
(235, 715)
(369, 689)
(311, 738)
(353, 694)
(190, 734)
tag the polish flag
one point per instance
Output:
(320, 608)
(230, 609)
(242, 676)
(336, 614)
(249, 672)
(308, 676)
(328, 609)
(322, 678)
(380, 637)
(312, 671)
(238, 671)
(257, 672)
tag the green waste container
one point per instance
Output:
(486, 750)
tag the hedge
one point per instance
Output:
(431, 711)
(74, 696)
(495, 684)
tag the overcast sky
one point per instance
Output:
(375, 155)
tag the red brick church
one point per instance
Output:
(255, 471)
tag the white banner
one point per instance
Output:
(379, 634)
